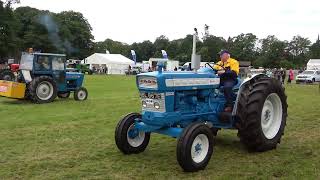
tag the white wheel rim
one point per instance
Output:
(7, 78)
(271, 116)
(136, 141)
(81, 95)
(199, 148)
(44, 90)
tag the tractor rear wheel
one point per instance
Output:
(42, 89)
(195, 147)
(6, 75)
(64, 95)
(262, 113)
(128, 139)
(80, 94)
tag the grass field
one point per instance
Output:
(75, 140)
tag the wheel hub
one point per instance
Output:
(199, 148)
(271, 116)
(44, 90)
(134, 137)
(81, 95)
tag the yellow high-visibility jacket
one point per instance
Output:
(231, 63)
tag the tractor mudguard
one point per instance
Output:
(245, 81)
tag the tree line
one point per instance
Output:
(70, 32)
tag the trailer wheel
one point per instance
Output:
(195, 147)
(42, 89)
(262, 112)
(7, 75)
(64, 95)
(81, 94)
(128, 139)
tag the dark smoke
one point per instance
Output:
(53, 31)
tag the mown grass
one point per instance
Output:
(75, 140)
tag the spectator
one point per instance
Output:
(291, 76)
(175, 68)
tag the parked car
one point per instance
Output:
(308, 76)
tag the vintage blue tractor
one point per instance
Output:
(45, 78)
(189, 106)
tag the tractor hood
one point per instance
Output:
(205, 78)
(74, 75)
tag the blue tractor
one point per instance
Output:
(189, 106)
(45, 78)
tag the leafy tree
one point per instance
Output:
(272, 52)
(75, 34)
(243, 47)
(315, 50)
(8, 26)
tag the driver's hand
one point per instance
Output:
(221, 72)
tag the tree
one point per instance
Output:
(144, 50)
(272, 52)
(243, 47)
(214, 45)
(75, 34)
(8, 26)
(114, 47)
(315, 50)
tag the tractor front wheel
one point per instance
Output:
(128, 139)
(42, 89)
(81, 94)
(195, 147)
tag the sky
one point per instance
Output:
(138, 20)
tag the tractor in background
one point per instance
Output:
(76, 66)
(42, 77)
(189, 106)
(9, 72)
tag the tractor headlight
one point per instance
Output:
(156, 105)
(152, 101)
(144, 104)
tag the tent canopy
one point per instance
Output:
(313, 64)
(99, 58)
(115, 63)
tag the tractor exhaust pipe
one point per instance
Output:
(195, 59)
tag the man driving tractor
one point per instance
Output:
(228, 70)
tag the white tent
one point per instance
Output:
(116, 63)
(313, 64)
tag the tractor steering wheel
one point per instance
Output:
(216, 65)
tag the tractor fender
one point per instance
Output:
(245, 81)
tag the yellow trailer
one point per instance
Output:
(12, 89)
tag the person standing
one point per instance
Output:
(291, 76)
(283, 75)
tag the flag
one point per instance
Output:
(134, 57)
(164, 54)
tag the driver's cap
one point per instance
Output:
(223, 51)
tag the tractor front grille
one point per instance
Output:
(153, 101)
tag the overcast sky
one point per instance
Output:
(137, 20)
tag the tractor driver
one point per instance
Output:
(228, 70)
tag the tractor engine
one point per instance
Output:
(176, 99)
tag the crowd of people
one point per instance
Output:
(280, 74)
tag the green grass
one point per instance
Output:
(75, 140)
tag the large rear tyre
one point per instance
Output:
(42, 89)
(128, 139)
(195, 147)
(7, 75)
(262, 113)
